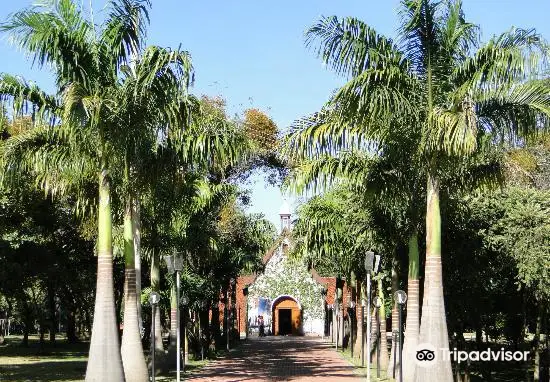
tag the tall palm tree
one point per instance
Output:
(151, 101)
(447, 88)
(87, 61)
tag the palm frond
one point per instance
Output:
(377, 94)
(124, 31)
(59, 166)
(55, 33)
(27, 98)
(420, 32)
(517, 111)
(349, 46)
(510, 57)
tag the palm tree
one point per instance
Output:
(87, 64)
(151, 101)
(446, 88)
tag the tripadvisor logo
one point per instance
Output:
(427, 355)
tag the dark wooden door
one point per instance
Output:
(285, 321)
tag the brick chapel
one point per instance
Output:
(290, 298)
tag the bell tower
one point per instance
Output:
(284, 213)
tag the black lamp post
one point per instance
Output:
(378, 304)
(154, 299)
(324, 305)
(369, 265)
(351, 305)
(330, 307)
(363, 303)
(203, 306)
(337, 316)
(401, 298)
(184, 303)
(174, 263)
(228, 310)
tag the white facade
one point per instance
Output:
(286, 277)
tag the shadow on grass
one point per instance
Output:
(49, 362)
(73, 370)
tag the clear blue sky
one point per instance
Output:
(252, 52)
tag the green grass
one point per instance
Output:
(61, 362)
(362, 370)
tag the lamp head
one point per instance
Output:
(400, 297)
(178, 262)
(169, 260)
(369, 261)
(154, 298)
(184, 300)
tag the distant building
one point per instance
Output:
(291, 299)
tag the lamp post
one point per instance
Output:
(378, 304)
(324, 306)
(330, 307)
(154, 299)
(337, 316)
(401, 298)
(363, 303)
(228, 310)
(371, 264)
(174, 264)
(203, 306)
(184, 302)
(351, 305)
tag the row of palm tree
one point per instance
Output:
(412, 117)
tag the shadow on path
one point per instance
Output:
(279, 359)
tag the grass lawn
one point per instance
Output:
(60, 362)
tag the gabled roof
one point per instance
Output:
(247, 280)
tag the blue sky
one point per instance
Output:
(252, 52)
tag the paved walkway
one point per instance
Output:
(279, 359)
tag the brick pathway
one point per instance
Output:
(278, 359)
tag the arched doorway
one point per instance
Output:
(287, 316)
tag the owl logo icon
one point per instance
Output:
(426, 355)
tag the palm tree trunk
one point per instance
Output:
(383, 338)
(358, 328)
(155, 286)
(104, 361)
(394, 319)
(433, 326)
(53, 310)
(173, 328)
(136, 223)
(413, 311)
(537, 348)
(71, 326)
(373, 334)
(133, 360)
(215, 324)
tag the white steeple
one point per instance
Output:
(285, 208)
(284, 213)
